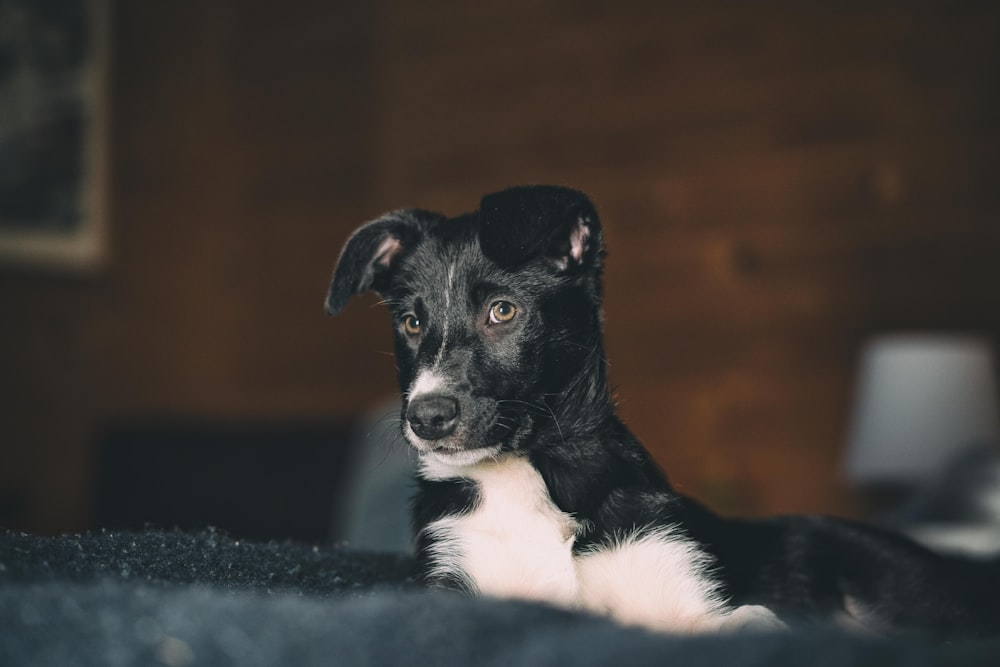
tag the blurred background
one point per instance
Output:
(780, 182)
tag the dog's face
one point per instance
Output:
(494, 314)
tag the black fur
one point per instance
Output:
(360, 268)
(516, 225)
(537, 386)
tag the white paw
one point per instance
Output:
(752, 618)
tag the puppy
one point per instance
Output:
(531, 487)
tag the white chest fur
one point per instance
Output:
(517, 543)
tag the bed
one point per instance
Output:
(181, 599)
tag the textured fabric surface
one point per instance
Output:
(178, 599)
(205, 558)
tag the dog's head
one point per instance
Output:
(496, 315)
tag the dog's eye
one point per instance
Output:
(502, 312)
(411, 325)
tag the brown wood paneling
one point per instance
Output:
(778, 180)
(241, 157)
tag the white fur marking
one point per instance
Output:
(453, 464)
(751, 618)
(515, 543)
(428, 382)
(659, 580)
(444, 325)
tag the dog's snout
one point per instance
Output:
(432, 417)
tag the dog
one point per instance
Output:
(531, 487)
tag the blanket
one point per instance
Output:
(182, 599)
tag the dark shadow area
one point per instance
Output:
(274, 481)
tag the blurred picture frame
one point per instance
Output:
(54, 133)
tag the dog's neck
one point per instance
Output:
(585, 447)
(581, 404)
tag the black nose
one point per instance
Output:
(432, 417)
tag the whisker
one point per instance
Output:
(543, 409)
(385, 433)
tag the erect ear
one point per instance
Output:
(372, 254)
(520, 223)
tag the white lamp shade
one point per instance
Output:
(920, 400)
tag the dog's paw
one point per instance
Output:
(751, 618)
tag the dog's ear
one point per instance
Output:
(372, 254)
(520, 223)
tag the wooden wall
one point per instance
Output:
(778, 181)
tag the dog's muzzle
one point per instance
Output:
(432, 417)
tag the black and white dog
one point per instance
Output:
(531, 487)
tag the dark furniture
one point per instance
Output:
(262, 481)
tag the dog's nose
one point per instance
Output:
(432, 417)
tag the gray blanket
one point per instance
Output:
(176, 599)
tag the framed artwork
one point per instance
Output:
(53, 132)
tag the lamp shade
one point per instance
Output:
(921, 399)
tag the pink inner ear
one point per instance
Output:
(578, 240)
(388, 249)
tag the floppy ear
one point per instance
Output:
(520, 223)
(372, 254)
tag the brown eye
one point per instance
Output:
(502, 312)
(411, 325)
